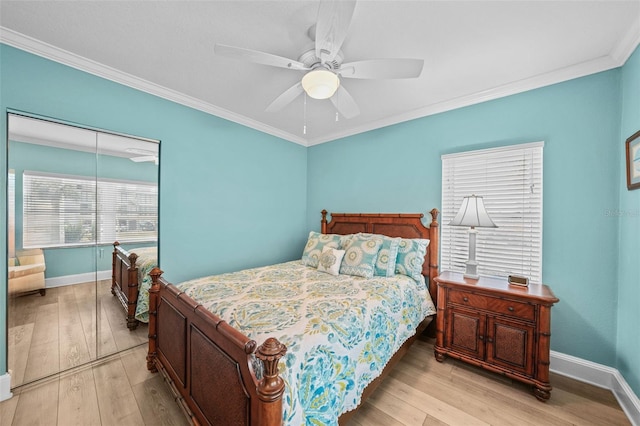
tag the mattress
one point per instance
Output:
(147, 260)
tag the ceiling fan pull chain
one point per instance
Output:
(304, 115)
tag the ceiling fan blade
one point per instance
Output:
(286, 98)
(143, 158)
(334, 17)
(258, 57)
(345, 104)
(382, 69)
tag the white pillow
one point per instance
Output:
(330, 260)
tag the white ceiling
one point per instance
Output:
(473, 51)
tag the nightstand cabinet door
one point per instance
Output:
(510, 344)
(465, 332)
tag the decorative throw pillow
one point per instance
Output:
(360, 256)
(386, 261)
(330, 260)
(410, 258)
(345, 240)
(315, 244)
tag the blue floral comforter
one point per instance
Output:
(340, 331)
(147, 260)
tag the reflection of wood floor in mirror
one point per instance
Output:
(116, 390)
(52, 333)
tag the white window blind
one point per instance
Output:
(510, 181)
(62, 210)
(127, 211)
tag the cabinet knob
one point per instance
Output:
(489, 339)
(481, 337)
(510, 308)
(466, 299)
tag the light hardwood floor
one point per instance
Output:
(419, 391)
(117, 390)
(422, 391)
(53, 333)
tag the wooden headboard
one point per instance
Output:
(405, 225)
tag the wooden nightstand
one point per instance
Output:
(497, 326)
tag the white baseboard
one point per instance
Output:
(601, 376)
(77, 279)
(5, 386)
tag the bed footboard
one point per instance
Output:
(210, 364)
(124, 282)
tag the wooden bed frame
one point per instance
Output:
(208, 363)
(124, 282)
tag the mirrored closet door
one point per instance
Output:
(72, 193)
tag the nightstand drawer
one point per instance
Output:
(494, 304)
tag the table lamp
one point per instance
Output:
(473, 214)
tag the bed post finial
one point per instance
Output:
(323, 222)
(133, 258)
(155, 275)
(434, 217)
(271, 386)
(153, 311)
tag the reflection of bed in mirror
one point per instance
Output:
(130, 280)
(284, 342)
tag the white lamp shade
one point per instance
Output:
(472, 213)
(320, 83)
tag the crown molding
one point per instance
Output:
(603, 63)
(48, 51)
(616, 58)
(627, 45)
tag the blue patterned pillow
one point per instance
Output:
(345, 240)
(410, 259)
(360, 256)
(315, 244)
(386, 261)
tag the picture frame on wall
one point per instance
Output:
(633, 161)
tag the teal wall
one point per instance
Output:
(629, 248)
(231, 197)
(24, 156)
(398, 169)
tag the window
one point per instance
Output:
(510, 180)
(60, 210)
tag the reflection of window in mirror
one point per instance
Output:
(60, 210)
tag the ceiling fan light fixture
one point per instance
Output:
(320, 83)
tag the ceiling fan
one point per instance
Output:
(143, 155)
(323, 62)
